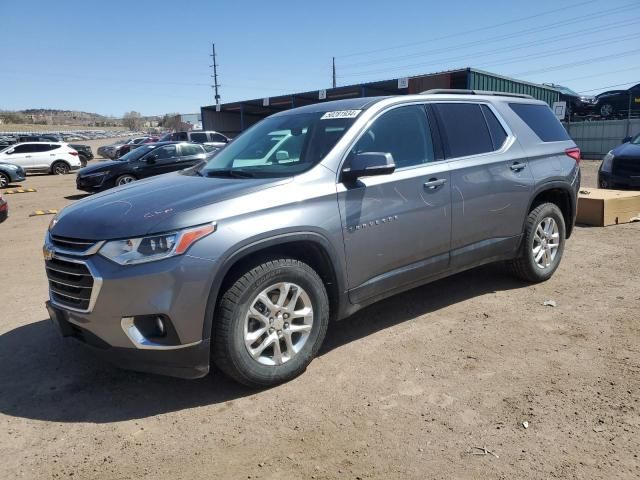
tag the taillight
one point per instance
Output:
(573, 153)
(75, 154)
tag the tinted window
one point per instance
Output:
(404, 133)
(216, 137)
(498, 135)
(199, 137)
(186, 150)
(181, 136)
(28, 148)
(464, 129)
(542, 121)
(211, 148)
(52, 147)
(167, 151)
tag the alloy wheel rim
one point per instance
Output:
(546, 242)
(278, 323)
(60, 170)
(125, 180)
(606, 110)
(3, 181)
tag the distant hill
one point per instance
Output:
(49, 116)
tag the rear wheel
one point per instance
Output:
(60, 168)
(4, 180)
(83, 161)
(606, 110)
(542, 245)
(270, 323)
(124, 179)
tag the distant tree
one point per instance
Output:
(171, 121)
(132, 120)
(12, 117)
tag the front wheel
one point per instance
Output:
(4, 180)
(270, 323)
(124, 179)
(542, 245)
(607, 110)
(60, 168)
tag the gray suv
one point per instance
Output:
(307, 217)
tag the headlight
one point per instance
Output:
(607, 162)
(154, 247)
(93, 175)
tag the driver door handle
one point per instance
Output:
(435, 183)
(516, 167)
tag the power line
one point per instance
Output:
(609, 72)
(534, 30)
(579, 63)
(518, 58)
(609, 86)
(466, 32)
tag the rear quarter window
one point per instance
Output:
(542, 121)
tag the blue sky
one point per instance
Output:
(152, 56)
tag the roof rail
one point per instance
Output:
(456, 91)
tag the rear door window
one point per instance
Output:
(188, 150)
(542, 121)
(199, 137)
(216, 137)
(464, 129)
(498, 135)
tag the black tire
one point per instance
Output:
(230, 353)
(83, 161)
(607, 110)
(524, 266)
(125, 179)
(4, 180)
(60, 167)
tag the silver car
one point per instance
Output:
(305, 218)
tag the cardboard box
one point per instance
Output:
(599, 208)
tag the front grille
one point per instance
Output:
(70, 283)
(626, 167)
(73, 244)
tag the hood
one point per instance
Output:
(100, 166)
(149, 206)
(627, 150)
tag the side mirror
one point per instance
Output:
(369, 164)
(626, 139)
(282, 155)
(10, 151)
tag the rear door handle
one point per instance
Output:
(434, 183)
(516, 167)
(27, 156)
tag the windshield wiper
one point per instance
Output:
(231, 173)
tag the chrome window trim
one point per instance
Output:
(97, 285)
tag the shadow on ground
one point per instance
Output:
(45, 377)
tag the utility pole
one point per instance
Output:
(215, 85)
(334, 71)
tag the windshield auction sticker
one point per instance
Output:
(340, 114)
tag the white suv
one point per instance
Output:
(54, 157)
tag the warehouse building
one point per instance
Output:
(233, 118)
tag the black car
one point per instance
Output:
(621, 166)
(7, 141)
(145, 161)
(618, 103)
(577, 105)
(84, 152)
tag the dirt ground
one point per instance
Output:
(404, 389)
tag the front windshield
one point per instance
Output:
(636, 140)
(281, 146)
(136, 154)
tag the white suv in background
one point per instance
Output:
(54, 157)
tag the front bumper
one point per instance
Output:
(609, 180)
(92, 184)
(176, 288)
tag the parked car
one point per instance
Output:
(10, 173)
(4, 209)
(577, 105)
(199, 136)
(108, 151)
(84, 152)
(127, 147)
(57, 158)
(245, 263)
(48, 137)
(620, 168)
(143, 162)
(616, 103)
(7, 140)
